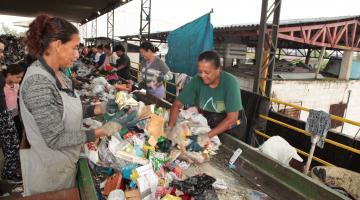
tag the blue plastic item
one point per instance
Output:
(187, 42)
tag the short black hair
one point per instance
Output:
(119, 47)
(100, 47)
(108, 47)
(210, 56)
(13, 69)
(148, 46)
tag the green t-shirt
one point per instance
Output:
(225, 97)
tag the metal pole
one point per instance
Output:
(141, 20)
(347, 105)
(110, 25)
(113, 32)
(319, 61)
(260, 46)
(274, 33)
(145, 18)
(149, 20)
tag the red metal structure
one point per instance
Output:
(338, 35)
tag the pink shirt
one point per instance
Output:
(11, 94)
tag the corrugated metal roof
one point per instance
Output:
(254, 26)
(293, 22)
(73, 10)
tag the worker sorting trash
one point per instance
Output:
(129, 141)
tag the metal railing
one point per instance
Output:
(332, 142)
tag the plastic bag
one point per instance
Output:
(104, 153)
(165, 145)
(199, 186)
(178, 134)
(279, 149)
(116, 195)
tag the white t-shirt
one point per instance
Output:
(97, 57)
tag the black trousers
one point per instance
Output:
(238, 132)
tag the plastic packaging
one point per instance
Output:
(235, 156)
(178, 135)
(220, 184)
(279, 149)
(104, 153)
(165, 145)
(255, 195)
(116, 195)
(112, 107)
(198, 186)
(131, 158)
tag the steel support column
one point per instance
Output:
(110, 25)
(84, 32)
(94, 28)
(145, 18)
(267, 63)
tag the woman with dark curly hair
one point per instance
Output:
(51, 111)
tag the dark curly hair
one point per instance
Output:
(45, 29)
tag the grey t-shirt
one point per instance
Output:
(150, 72)
(44, 102)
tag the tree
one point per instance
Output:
(8, 31)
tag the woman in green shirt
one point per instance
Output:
(213, 91)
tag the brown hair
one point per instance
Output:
(45, 29)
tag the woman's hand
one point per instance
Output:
(108, 129)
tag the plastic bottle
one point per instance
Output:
(234, 157)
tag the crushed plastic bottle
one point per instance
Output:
(234, 157)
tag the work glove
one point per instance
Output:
(202, 140)
(194, 146)
(112, 128)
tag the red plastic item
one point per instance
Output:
(178, 172)
(108, 67)
(183, 197)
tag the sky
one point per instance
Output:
(170, 14)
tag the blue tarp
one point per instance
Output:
(187, 42)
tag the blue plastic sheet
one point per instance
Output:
(187, 42)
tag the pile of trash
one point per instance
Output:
(292, 66)
(146, 160)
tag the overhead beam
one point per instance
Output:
(333, 35)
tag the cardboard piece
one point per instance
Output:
(155, 126)
(145, 112)
(113, 182)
